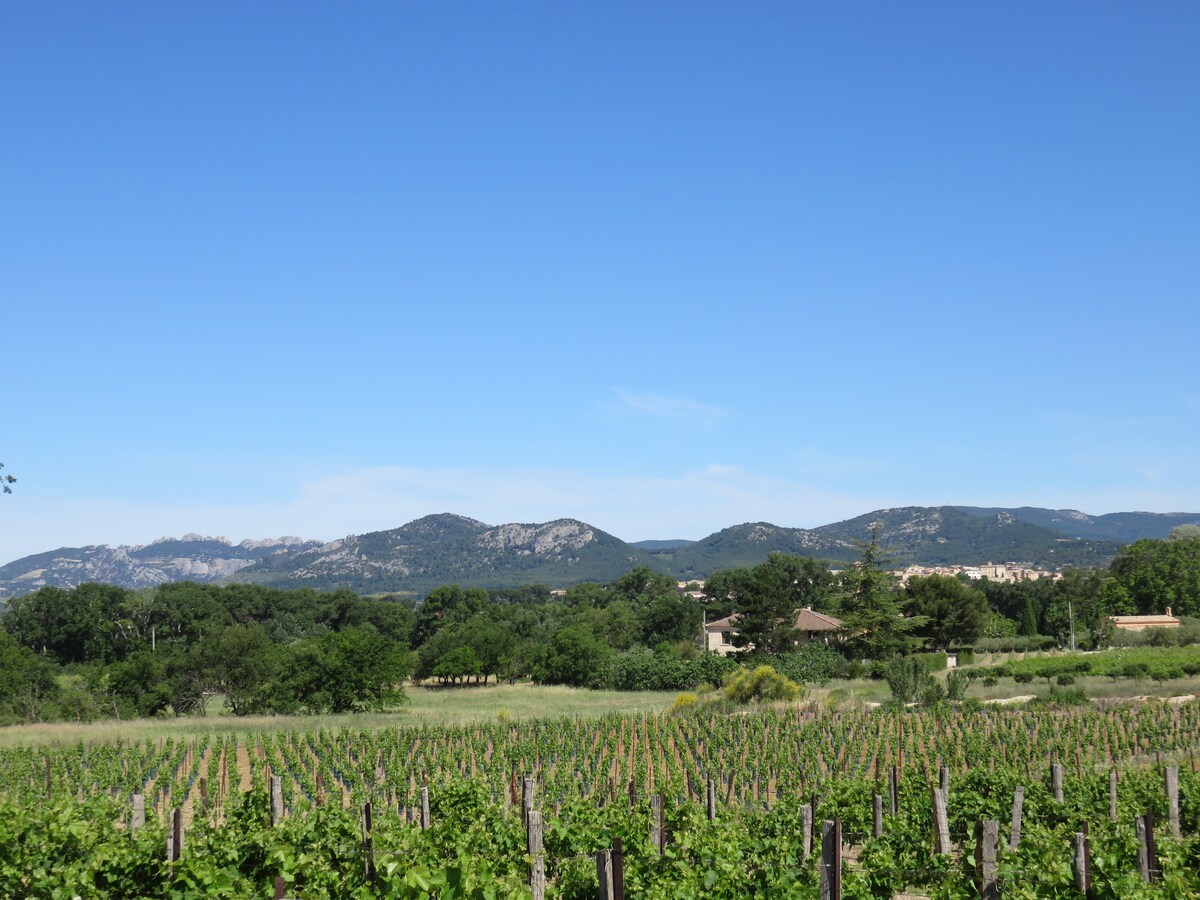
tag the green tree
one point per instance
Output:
(910, 681)
(344, 671)
(444, 606)
(6, 482)
(1150, 575)
(27, 685)
(460, 663)
(243, 663)
(955, 612)
(767, 597)
(574, 656)
(1029, 622)
(872, 614)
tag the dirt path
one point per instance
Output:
(243, 767)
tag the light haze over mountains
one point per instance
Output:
(448, 548)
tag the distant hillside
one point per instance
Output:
(190, 558)
(1123, 528)
(446, 548)
(655, 546)
(913, 535)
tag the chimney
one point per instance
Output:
(1168, 610)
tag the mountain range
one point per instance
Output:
(447, 548)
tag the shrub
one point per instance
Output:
(761, 684)
(956, 685)
(990, 680)
(1065, 697)
(934, 662)
(814, 663)
(1065, 680)
(684, 703)
(909, 679)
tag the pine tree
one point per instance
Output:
(871, 605)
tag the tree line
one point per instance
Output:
(104, 651)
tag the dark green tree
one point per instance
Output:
(573, 657)
(1150, 575)
(6, 482)
(27, 685)
(444, 606)
(344, 671)
(767, 597)
(872, 615)
(955, 612)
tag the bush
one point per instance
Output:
(684, 703)
(1065, 697)
(910, 680)
(956, 685)
(761, 684)
(1014, 644)
(642, 670)
(934, 662)
(814, 663)
(1065, 680)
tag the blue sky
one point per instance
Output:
(320, 269)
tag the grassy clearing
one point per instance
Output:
(432, 705)
(463, 705)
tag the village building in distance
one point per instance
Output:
(1005, 573)
(812, 625)
(1141, 623)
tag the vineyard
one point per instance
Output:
(696, 806)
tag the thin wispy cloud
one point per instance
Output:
(664, 406)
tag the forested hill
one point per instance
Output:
(1123, 528)
(911, 535)
(450, 549)
(446, 548)
(192, 557)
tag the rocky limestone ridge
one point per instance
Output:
(550, 539)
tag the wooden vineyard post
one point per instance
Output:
(618, 869)
(137, 813)
(537, 870)
(877, 817)
(632, 793)
(175, 835)
(1147, 853)
(1082, 863)
(987, 837)
(1112, 794)
(1014, 831)
(526, 798)
(604, 874)
(276, 800)
(831, 860)
(1056, 781)
(49, 780)
(894, 787)
(1171, 779)
(657, 838)
(806, 830)
(279, 887)
(940, 822)
(711, 800)
(425, 808)
(944, 782)
(368, 843)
